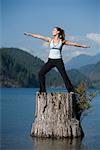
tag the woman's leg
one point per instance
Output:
(60, 66)
(41, 75)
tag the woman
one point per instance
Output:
(55, 57)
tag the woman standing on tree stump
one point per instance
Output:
(55, 57)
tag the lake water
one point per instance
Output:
(17, 108)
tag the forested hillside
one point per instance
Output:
(20, 69)
(93, 73)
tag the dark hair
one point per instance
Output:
(61, 33)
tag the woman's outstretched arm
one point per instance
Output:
(70, 43)
(47, 39)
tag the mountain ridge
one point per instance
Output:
(82, 60)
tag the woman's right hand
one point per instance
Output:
(27, 33)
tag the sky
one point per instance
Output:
(79, 18)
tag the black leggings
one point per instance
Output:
(51, 63)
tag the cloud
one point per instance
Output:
(67, 55)
(94, 36)
(89, 36)
(45, 44)
(73, 38)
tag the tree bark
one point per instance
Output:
(55, 116)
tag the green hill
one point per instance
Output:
(20, 69)
(93, 73)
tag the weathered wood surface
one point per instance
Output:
(55, 116)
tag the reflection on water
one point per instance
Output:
(57, 144)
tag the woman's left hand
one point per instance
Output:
(27, 33)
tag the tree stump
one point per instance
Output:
(55, 116)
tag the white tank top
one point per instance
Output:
(55, 50)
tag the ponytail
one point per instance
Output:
(61, 33)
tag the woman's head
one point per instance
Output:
(58, 31)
